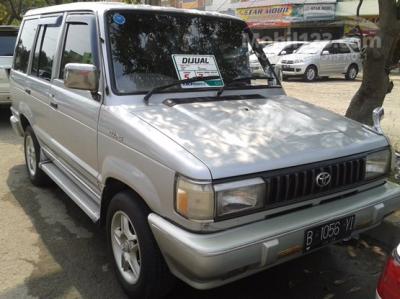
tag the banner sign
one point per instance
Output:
(319, 12)
(282, 13)
(190, 4)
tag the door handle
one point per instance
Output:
(54, 105)
(27, 90)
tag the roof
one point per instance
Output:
(103, 6)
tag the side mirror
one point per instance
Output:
(377, 116)
(81, 76)
(325, 52)
(283, 52)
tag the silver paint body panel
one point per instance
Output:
(90, 139)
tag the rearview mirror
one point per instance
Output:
(81, 76)
(283, 52)
(325, 52)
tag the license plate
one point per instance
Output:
(287, 68)
(324, 234)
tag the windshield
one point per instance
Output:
(275, 48)
(312, 48)
(151, 49)
(7, 43)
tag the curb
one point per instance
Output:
(387, 233)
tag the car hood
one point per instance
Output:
(236, 137)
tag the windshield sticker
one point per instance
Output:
(189, 66)
(119, 19)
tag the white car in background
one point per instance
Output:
(275, 52)
(323, 59)
(8, 35)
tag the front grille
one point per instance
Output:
(287, 61)
(298, 185)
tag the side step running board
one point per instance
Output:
(85, 202)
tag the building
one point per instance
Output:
(274, 20)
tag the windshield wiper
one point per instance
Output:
(240, 79)
(183, 81)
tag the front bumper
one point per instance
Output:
(209, 260)
(293, 69)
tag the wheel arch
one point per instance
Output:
(353, 63)
(113, 186)
(24, 122)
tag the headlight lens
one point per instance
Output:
(239, 196)
(378, 164)
(298, 61)
(194, 200)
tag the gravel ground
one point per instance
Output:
(50, 249)
(335, 94)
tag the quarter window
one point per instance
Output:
(77, 48)
(24, 46)
(45, 51)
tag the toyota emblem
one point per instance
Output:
(323, 179)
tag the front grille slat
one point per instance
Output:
(294, 186)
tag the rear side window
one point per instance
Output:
(24, 46)
(343, 48)
(7, 43)
(77, 48)
(45, 51)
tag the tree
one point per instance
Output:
(13, 10)
(378, 60)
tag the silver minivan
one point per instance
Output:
(152, 121)
(8, 36)
(323, 59)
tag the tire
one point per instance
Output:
(32, 159)
(352, 72)
(311, 73)
(134, 249)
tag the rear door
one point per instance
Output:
(75, 112)
(41, 72)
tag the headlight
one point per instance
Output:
(239, 196)
(194, 200)
(298, 61)
(378, 164)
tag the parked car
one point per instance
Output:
(389, 282)
(8, 35)
(150, 119)
(323, 59)
(275, 52)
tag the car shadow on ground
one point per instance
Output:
(73, 258)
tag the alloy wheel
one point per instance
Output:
(125, 246)
(30, 155)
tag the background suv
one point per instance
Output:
(8, 35)
(274, 53)
(322, 59)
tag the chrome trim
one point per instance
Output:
(238, 184)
